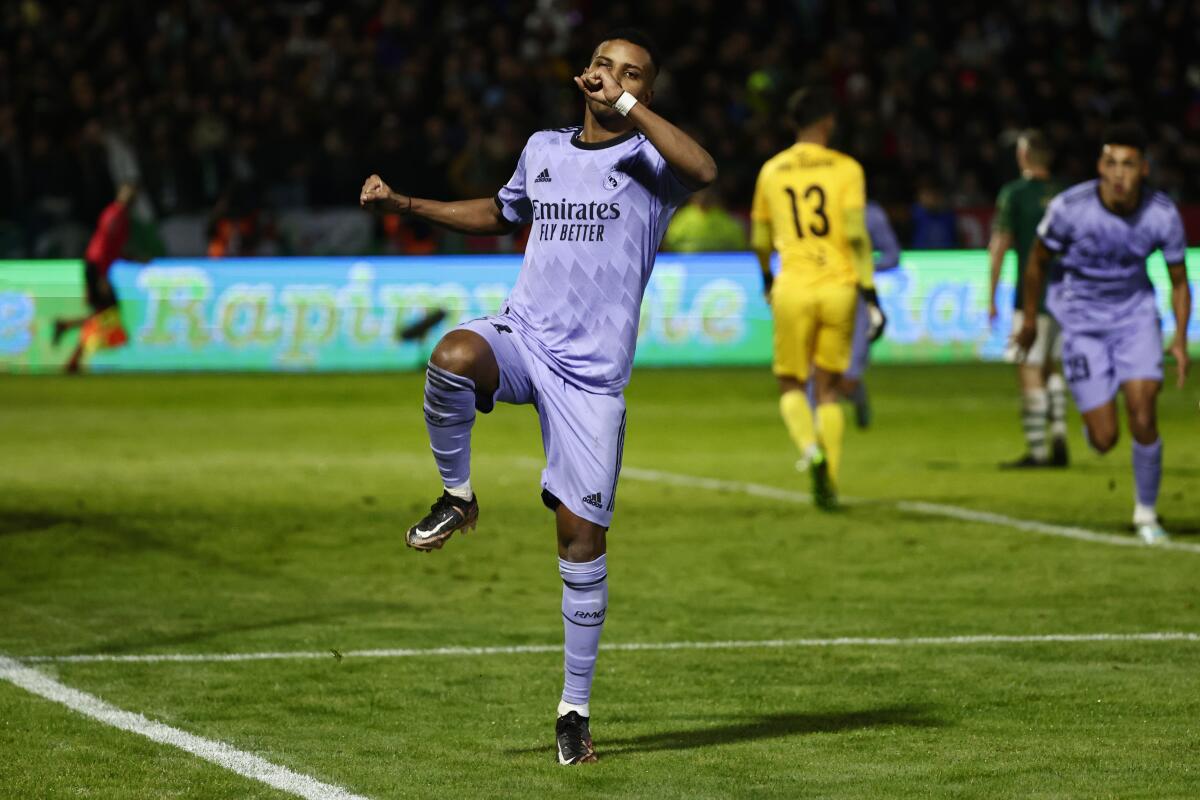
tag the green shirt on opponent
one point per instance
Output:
(1019, 208)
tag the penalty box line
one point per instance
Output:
(909, 506)
(223, 755)
(525, 649)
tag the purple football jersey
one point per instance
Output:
(1102, 278)
(598, 213)
(883, 238)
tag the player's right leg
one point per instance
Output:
(1089, 367)
(794, 335)
(1035, 408)
(461, 368)
(1056, 393)
(473, 367)
(1035, 402)
(1087, 363)
(1092, 373)
(831, 424)
(99, 294)
(837, 305)
(1100, 427)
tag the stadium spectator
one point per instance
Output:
(932, 220)
(300, 93)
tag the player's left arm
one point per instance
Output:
(690, 162)
(761, 239)
(760, 243)
(883, 238)
(1053, 237)
(1181, 304)
(999, 244)
(862, 254)
(1035, 272)
(854, 200)
(1174, 251)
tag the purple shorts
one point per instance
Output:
(1096, 363)
(861, 345)
(583, 433)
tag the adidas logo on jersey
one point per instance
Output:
(594, 500)
(543, 176)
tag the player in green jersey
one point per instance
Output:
(1019, 209)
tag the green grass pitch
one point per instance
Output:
(210, 514)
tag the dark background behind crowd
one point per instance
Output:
(239, 113)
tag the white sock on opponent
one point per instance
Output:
(1034, 405)
(1056, 392)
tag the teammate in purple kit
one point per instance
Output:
(599, 198)
(1103, 299)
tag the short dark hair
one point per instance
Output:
(1127, 133)
(810, 104)
(1037, 147)
(641, 39)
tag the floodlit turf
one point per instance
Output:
(205, 514)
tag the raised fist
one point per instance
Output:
(375, 194)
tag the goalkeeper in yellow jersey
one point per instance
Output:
(809, 204)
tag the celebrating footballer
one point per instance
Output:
(598, 197)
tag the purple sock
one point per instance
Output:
(584, 603)
(810, 390)
(449, 415)
(1147, 471)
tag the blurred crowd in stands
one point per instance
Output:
(235, 115)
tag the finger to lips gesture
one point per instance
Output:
(599, 84)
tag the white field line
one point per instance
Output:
(219, 753)
(697, 482)
(989, 518)
(717, 485)
(911, 506)
(731, 644)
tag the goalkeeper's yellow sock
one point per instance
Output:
(831, 425)
(797, 416)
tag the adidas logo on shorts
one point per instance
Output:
(594, 500)
(543, 176)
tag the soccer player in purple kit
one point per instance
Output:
(599, 198)
(1102, 297)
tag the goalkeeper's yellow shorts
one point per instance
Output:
(814, 324)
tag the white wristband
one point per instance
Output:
(625, 104)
